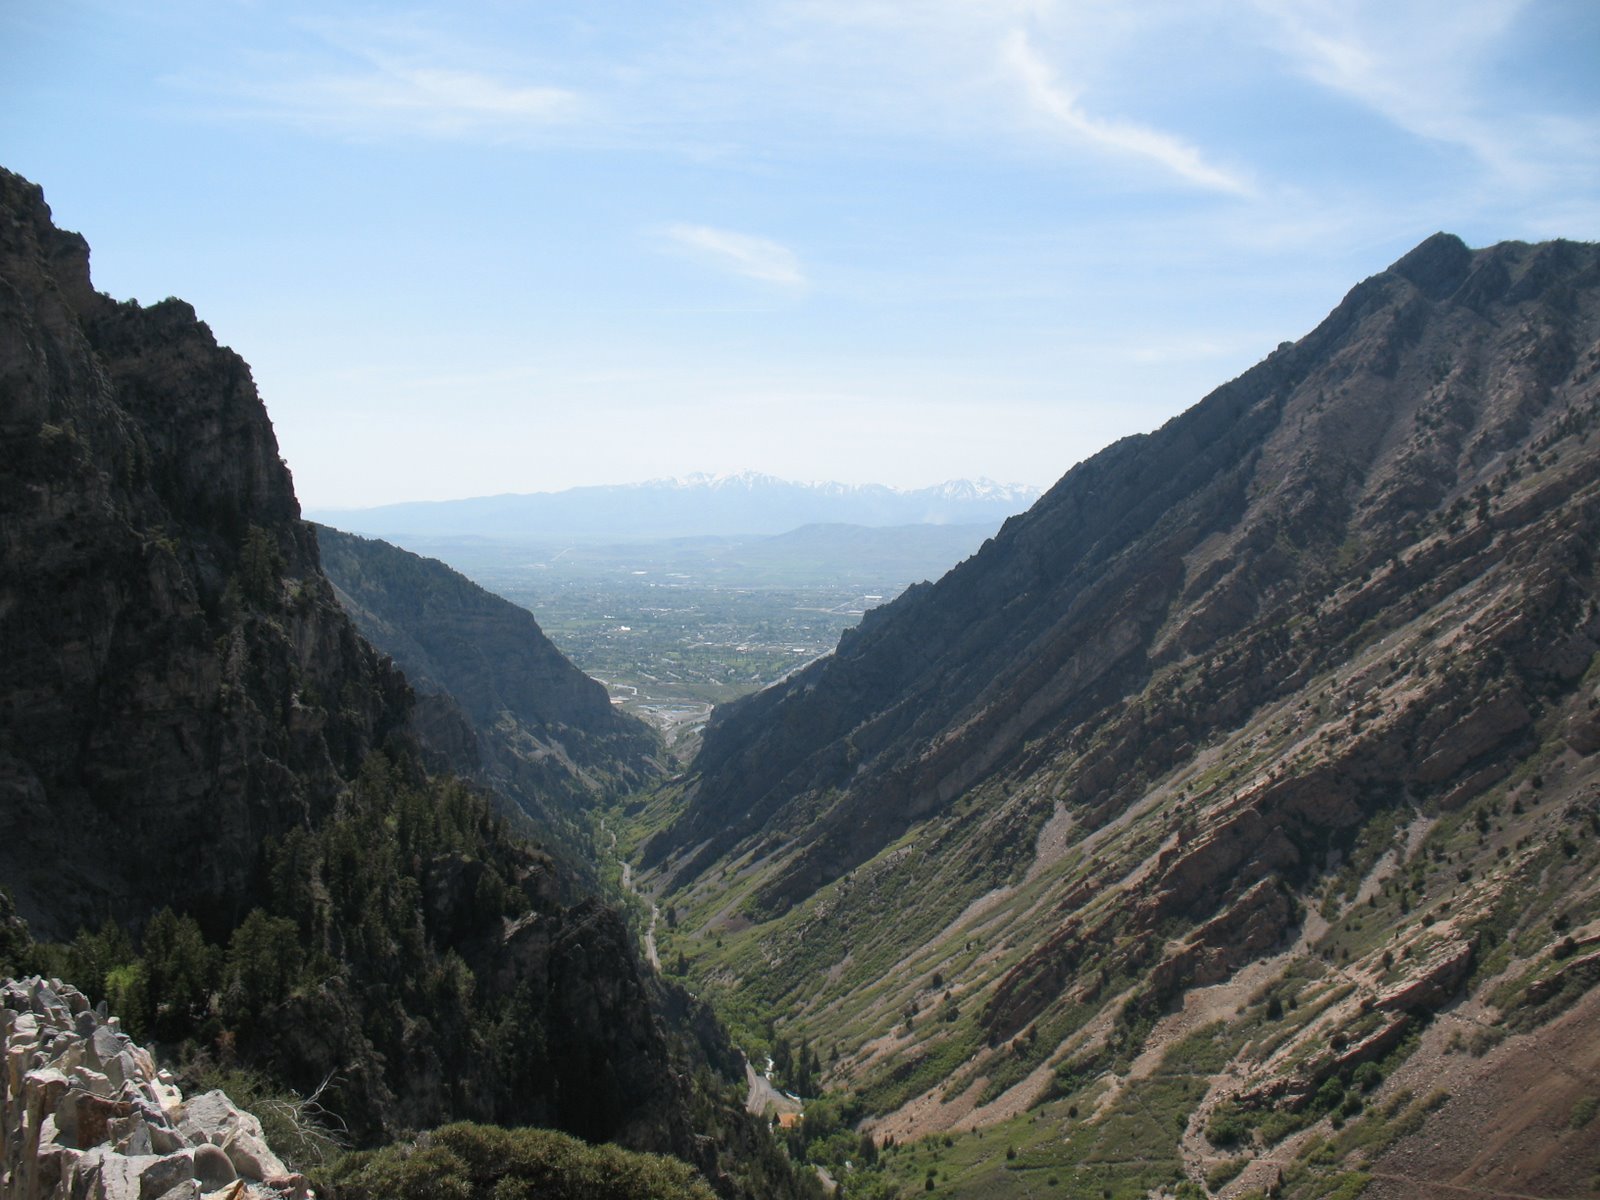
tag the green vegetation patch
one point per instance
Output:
(1340, 1096)
(1225, 1172)
(484, 1162)
(912, 1076)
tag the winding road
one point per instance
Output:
(764, 1098)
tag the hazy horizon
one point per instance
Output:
(512, 249)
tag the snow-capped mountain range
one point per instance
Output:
(744, 502)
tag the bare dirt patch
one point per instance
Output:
(1507, 1129)
(1055, 839)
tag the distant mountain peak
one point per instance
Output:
(711, 479)
(701, 503)
(984, 488)
(980, 488)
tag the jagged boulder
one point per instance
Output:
(85, 1114)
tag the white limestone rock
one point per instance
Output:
(214, 1118)
(85, 1114)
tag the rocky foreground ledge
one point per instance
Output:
(86, 1115)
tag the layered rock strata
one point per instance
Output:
(1428, 437)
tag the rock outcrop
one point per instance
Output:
(85, 1114)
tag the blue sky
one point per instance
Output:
(523, 246)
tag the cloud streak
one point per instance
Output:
(1427, 76)
(431, 100)
(742, 253)
(1048, 96)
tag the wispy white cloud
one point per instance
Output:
(381, 77)
(1049, 96)
(742, 253)
(1427, 73)
(386, 96)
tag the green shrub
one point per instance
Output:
(1224, 1172)
(1227, 1126)
(484, 1162)
(1584, 1111)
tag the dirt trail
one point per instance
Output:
(1220, 1001)
(1429, 1188)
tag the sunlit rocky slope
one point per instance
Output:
(1235, 811)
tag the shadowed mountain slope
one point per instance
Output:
(545, 733)
(163, 617)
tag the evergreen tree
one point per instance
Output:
(263, 962)
(180, 974)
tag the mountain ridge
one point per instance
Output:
(546, 734)
(1204, 454)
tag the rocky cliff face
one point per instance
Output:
(174, 662)
(1287, 708)
(542, 732)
